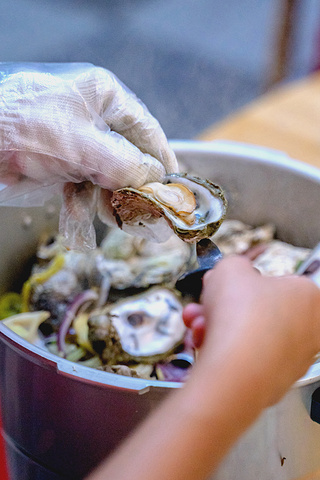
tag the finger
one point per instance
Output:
(112, 162)
(198, 331)
(125, 114)
(58, 128)
(226, 278)
(77, 215)
(190, 312)
(235, 265)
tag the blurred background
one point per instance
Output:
(192, 62)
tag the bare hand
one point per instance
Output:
(270, 327)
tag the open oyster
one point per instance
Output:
(148, 263)
(142, 328)
(193, 208)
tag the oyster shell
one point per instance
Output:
(235, 237)
(193, 208)
(280, 258)
(143, 328)
(122, 262)
(147, 263)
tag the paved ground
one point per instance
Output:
(191, 61)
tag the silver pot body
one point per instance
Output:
(61, 419)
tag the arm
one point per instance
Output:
(244, 317)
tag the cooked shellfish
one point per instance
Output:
(193, 208)
(142, 328)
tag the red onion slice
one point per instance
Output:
(172, 373)
(78, 301)
(177, 367)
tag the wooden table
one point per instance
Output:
(287, 119)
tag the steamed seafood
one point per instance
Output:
(143, 328)
(116, 309)
(122, 262)
(191, 207)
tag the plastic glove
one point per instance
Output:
(64, 123)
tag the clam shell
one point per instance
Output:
(139, 213)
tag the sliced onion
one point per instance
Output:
(171, 373)
(176, 368)
(79, 301)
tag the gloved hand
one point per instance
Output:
(64, 123)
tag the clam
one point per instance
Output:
(193, 208)
(142, 328)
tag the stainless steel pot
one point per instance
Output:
(60, 419)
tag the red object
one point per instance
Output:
(3, 465)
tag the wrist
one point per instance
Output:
(228, 386)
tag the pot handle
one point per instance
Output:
(311, 267)
(315, 406)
